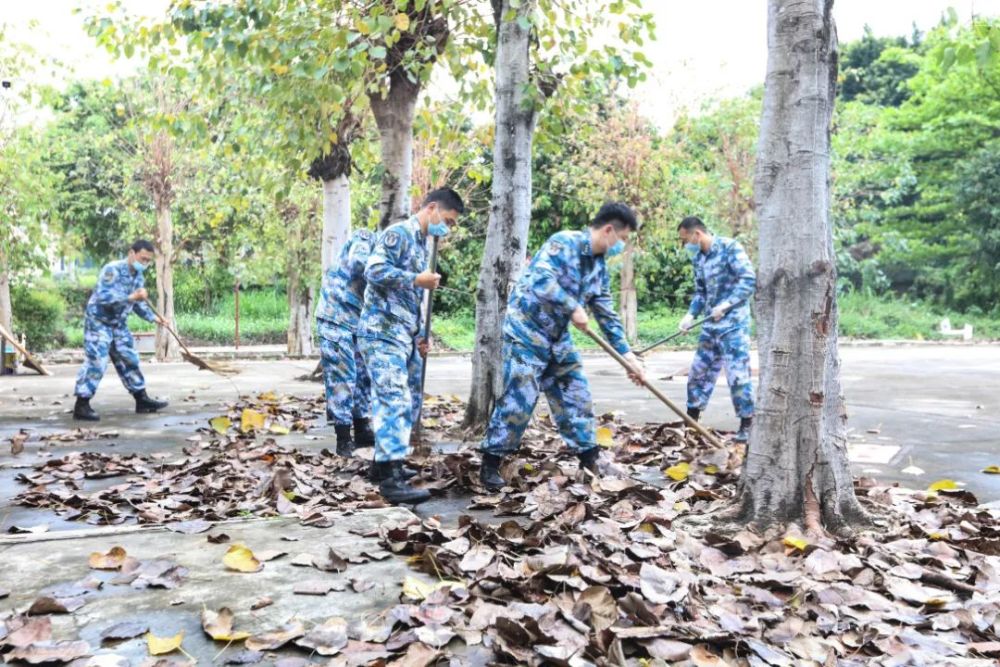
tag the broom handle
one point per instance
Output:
(432, 265)
(167, 326)
(693, 326)
(656, 392)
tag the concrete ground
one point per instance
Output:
(936, 408)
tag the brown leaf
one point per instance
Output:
(313, 587)
(127, 630)
(190, 527)
(260, 603)
(25, 631)
(275, 639)
(326, 639)
(666, 649)
(41, 652)
(48, 605)
(218, 538)
(269, 555)
(333, 562)
(702, 656)
(602, 607)
(112, 560)
(417, 655)
(660, 586)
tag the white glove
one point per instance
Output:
(686, 323)
(720, 310)
(640, 375)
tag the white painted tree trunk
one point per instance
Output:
(394, 117)
(796, 467)
(167, 348)
(628, 304)
(336, 218)
(510, 213)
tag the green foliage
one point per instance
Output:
(39, 314)
(875, 70)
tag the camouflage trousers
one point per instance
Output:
(527, 374)
(101, 341)
(394, 369)
(348, 387)
(715, 350)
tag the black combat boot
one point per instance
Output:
(363, 434)
(144, 404)
(345, 446)
(375, 473)
(489, 472)
(743, 435)
(394, 487)
(694, 413)
(588, 459)
(83, 412)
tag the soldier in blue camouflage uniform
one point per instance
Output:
(724, 281)
(390, 336)
(120, 290)
(348, 388)
(566, 276)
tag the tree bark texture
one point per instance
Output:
(333, 170)
(336, 218)
(300, 295)
(167, 348)
(628, 304)
(796, 466)
(510, 212)
(394, 117)
(6, 306)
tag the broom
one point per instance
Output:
(222, 369)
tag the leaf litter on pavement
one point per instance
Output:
(575, 569)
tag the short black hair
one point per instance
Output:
(448, 198)
(618, 214)
(142, 244)
(691, 223)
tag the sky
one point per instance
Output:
(704, 49)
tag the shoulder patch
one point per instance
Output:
(365, 234)
(555, 247)
(108, 276)
(391, 239)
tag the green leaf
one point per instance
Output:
(524, 22)
(948, 58)
(377, 52)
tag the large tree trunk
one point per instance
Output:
(796, 467)
(6, 307)
(300, 308)
(510, 213)
(628, 305)
(394, 117)
(167, 348)
(336, 218)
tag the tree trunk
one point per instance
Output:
(394, 117)
(6, 307)
(796, 467)
(167, 348)
(300, 298)
(336, 218)
(628, 305)
(510, 213)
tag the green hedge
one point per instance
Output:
(39, 314)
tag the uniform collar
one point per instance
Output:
(414, 223)
(712, 249)
(585, 248)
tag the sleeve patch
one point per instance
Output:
(108, 276)
(391, 239)
(555, 248)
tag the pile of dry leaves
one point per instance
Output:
(585, 571)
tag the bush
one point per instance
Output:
(40, 315)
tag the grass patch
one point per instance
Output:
(264, 319)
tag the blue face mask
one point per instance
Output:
(692, 248)
(138, 266)
(615, 250)
(439, 228)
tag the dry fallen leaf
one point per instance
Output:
(112, 560)
(943, 485)
(219, 625)
(48, 652)
(241, 559)
(795, 542)
(992, 470)
(605, 438)
(679, 472)
(220, 424)
(251, 420)
(270, 641)
(163, 645)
